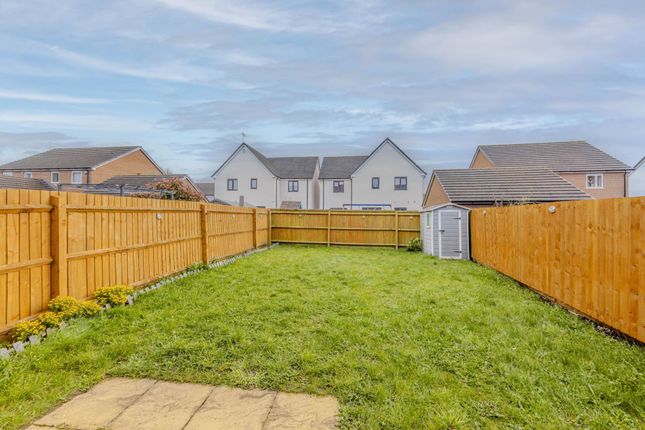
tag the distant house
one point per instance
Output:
(385, 179)
(637, 179)
(207, 189)
(591, 170)
(83, 165)
(498, 186)
(25, 183)
(267, 181)
(146, 181)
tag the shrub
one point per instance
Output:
(115, 295)
(50, 319)
(90, 309)
(66, 307)
(415, 245)
(28, 328)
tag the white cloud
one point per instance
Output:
(46, 97)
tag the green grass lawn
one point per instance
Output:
(402, 340)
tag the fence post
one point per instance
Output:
(396, 230)
(329, 227)
(58, 244)
(203, 214)
(268, 217)
(255, 228)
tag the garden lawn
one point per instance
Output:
(402, 340)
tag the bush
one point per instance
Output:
(115, 295)
(90, 309)
(50, 319)
(66, 307)
(28, 328)
(415, 245)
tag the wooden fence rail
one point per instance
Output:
(367, 228)
(72, 244)
(586, 255)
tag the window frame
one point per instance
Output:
(378, 183)
(596, 176)
(291, 188)
(80, 172)
(400, 186)
(338, 186)
(7, 173)
(231, 184)
(51, 177)
(28, 175)
(254, 184)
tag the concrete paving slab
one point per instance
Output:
(97, 407)
(165, 406)
(302, 412)
(233, 408)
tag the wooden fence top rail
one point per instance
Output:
(304, 227)
(76, 208)
(11, 209)
(12, 267)
(341, 212)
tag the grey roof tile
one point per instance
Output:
(282, 167)
(506, 184)
(575, 156)
(69, 158)
(208, 188)
(25, 183)
(341, 167)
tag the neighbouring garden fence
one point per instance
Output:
(371, 228)
(72, 244)
(587, 255)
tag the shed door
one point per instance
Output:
(450, 234)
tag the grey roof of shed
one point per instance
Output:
(341, 167)
(574, 156)
(506, 184)
(281, 167)
(70, 158)
(25, 183)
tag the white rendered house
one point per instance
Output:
(384, 180)
(268, 182)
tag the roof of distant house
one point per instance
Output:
(341, 167)
(208, 188)
(282, 167)
(573, 156)
(506, 185)
(141, 180)
(71, 158)
(25, 183)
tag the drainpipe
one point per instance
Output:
(307, 193)
(323, 192)
(276, 191)
(351, 193)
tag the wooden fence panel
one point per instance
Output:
(72, 243)
(370, 228)
(587, 255)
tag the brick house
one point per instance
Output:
(83, 165)
(588, 168)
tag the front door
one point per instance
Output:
(449, 234)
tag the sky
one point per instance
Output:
(184, 78)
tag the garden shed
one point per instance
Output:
(444, 231)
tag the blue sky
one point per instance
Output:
(184, 78)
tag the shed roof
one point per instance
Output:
(506, 184)
(572, 156)
(70, 158)
(25, 183)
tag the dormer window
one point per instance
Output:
(595, 181)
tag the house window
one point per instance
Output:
(292, 186)
(400, 209)
(401, 183)
(376, 183)
(427, 219)
(55, 177)
(7, 173)
(595, 181)
(77, 177)
(254, 183)
(28, 175)
(231, 184)
(339, 186)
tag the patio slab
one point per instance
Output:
(122, 403)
